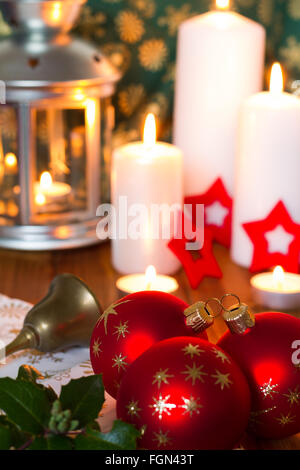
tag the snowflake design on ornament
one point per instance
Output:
(161, 438)
(221, 355)
(293, 396)
(119, 362)
(110, 311)
(121, 330)
(285, 420)
(254, 415)
(161, 376)
(133, 408)
(192, 350)
(161, 406)
(96, 347)
(222, 379)
(191, 405)
(268, 389)
(194, 373)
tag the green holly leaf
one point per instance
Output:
(31, 374)
(123, 436)
(25, 403)
(52, 442)
(5, 438)
(84, 397)
(17, 437)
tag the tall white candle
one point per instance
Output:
(220, 61)
(268, 162)
(146, 173)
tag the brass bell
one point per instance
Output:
(64, 318)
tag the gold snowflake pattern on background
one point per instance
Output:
(161, 405)
(145, 7)
(191, 406)
(161, 438)
(291, 53)
(265, 10)
(268, 389)
(221, 355)
(294, 9)
(96, 347)
(129, 26)
(91, 23)
(194, 373)
(153, 54)
(131, 98)
(222, 379)
(161, 376)
(133, 408)
(174, 17)
(192, 350)
(293, 397)
(121, 330)
(284, 420)
(111, 310)
(119, 362)
(119, 54)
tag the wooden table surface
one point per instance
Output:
(26, 275)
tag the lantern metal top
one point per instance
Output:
(40, 53)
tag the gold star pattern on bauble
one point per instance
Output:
(161, 376)
(192, 350)
(96, 347)
(110, 311)
(268, 389)
(121, 330)
(191, 405)
(194, 373)
(284, 420)
(161, 406)
(119, 362)
(161, 438)
(221, 355)
(293, 396)
(255, 414)
(133, 408)
(222, 379)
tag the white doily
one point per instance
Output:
(58, 368)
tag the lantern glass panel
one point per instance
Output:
(9, 166)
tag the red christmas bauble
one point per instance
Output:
(185, 393)
(129, 327)
(267, 356)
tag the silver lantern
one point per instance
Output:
(55, 128)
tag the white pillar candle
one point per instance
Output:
(268, 163)
(146, 173)
(220, 62)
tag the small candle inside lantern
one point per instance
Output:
(11, 163)
(277, 289)
(48, 191)
(150, 281)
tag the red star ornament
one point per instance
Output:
(218, 211)
(197, 263)
(263, 256)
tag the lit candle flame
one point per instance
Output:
(276, 81)
(45, 180)
(150, 131)
(79, 95)
(222, 4)
(10, 160)
(40, 199)
(56, 11)
(278, 276)
(150, 276)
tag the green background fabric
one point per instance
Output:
(140, 38)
